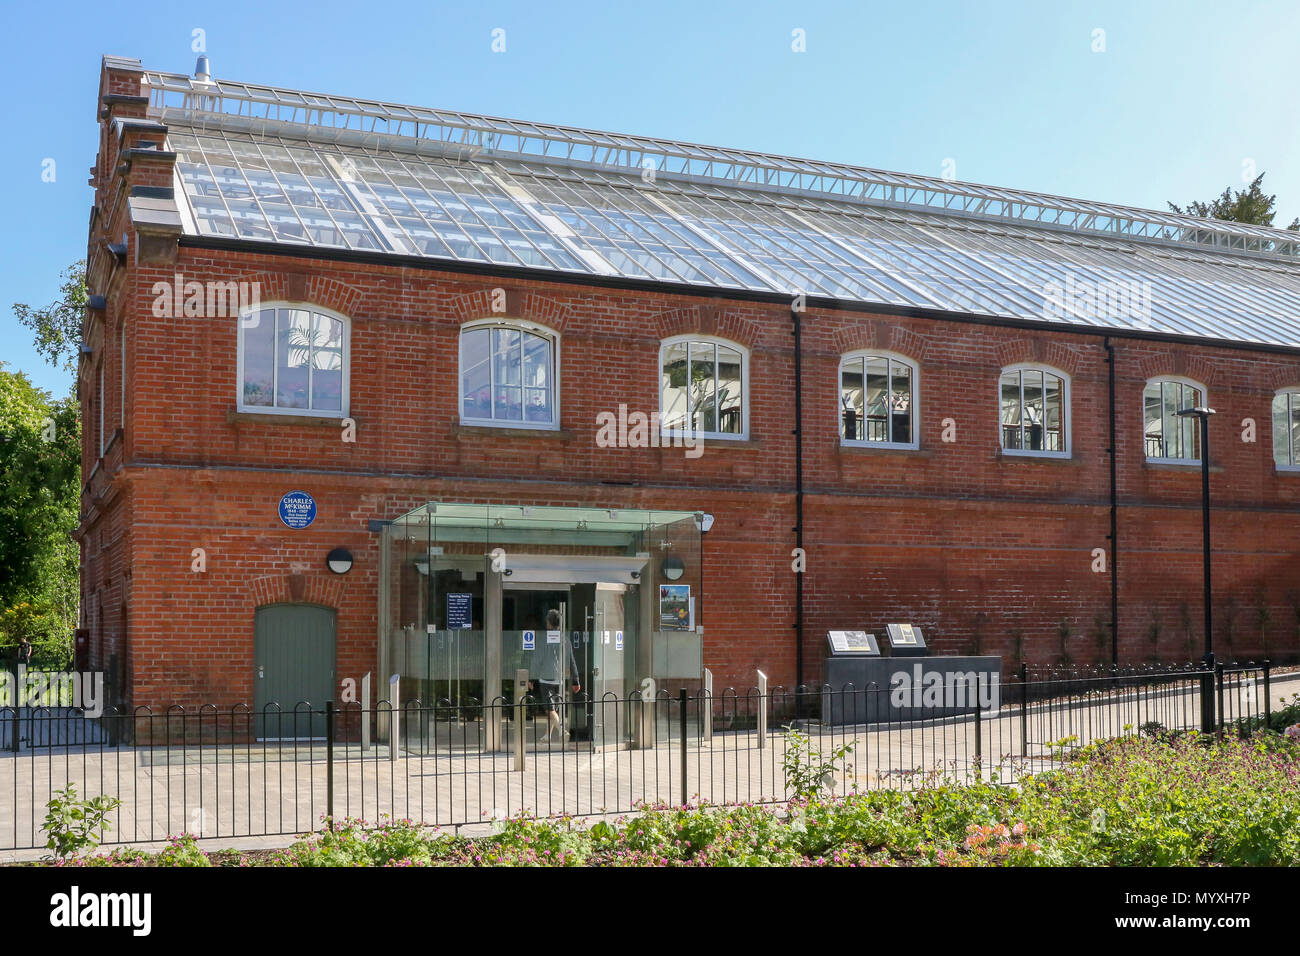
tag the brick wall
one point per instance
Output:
(980, 549)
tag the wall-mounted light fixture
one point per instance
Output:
(339, 560)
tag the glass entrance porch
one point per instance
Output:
(470, 595)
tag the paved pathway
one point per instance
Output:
(231, 792)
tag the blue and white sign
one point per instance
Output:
(459, 607)
(297, 509)
(618, 640)
(530, 640)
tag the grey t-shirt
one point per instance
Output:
(550, 668)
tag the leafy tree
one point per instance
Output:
(58, 325)
(1249, 205)
(40, 479)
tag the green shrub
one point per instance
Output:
(73, 824)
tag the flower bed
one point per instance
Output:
(1133, 801)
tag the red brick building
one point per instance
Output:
(917, 381)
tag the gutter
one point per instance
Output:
(797, 331)
(1114, 508)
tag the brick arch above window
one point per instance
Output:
(319, 290)
(1283, 378)
(1035, 351)
(879, 335)
(708, 322)
(323, 588)
(504, 302)
(1179, 365)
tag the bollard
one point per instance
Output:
(644, 716)
(681, 700)
(329, 765)
(708, 706)
(365, 712)
(521, 716)
(762, 710)
(394, 717)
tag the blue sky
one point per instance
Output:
(1184, 96)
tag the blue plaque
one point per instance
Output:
(297, 509)
(459, 611)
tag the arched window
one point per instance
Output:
(1286, 429)
(294, 359)
(877, 401)
(507, 375)
(704, 388)
(1035, 411)
(1170, 437)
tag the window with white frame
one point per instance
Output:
(293, 359)
(507, 375)
(1286, 429)
(1169, 436)
(703, 388)
(1035, 408)
(877, 401)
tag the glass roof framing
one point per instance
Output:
(202, 102)
(522, 213)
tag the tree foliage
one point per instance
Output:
(40, 486)
(1249, 205)
(40, 479)
(57, 327)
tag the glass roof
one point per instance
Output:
(547, 214)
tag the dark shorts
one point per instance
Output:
(550, 694)
(544, 697)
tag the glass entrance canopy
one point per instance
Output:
(472, 594)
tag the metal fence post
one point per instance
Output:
(1207, 695)
(1218, 670)
(979, 738)
(394, 716)
(707, 728)
(762, 710)
(681, 700)
(329, 765)
(1024, 708)
(365, 711)
(521, 715)
(1268, 703)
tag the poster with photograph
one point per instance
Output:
(675, 607)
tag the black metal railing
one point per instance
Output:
(237, 772)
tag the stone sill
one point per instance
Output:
(1041, 459)
(900, 452)
(473, 432)
(1191, 468)
(234, 417)
(741, 444)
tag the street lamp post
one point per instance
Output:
(1207, 682)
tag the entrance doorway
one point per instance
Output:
(293, 667)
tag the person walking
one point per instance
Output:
(555, 661)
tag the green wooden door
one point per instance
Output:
(293, 660)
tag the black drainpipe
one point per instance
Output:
(798, 492)
(1114, 512)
